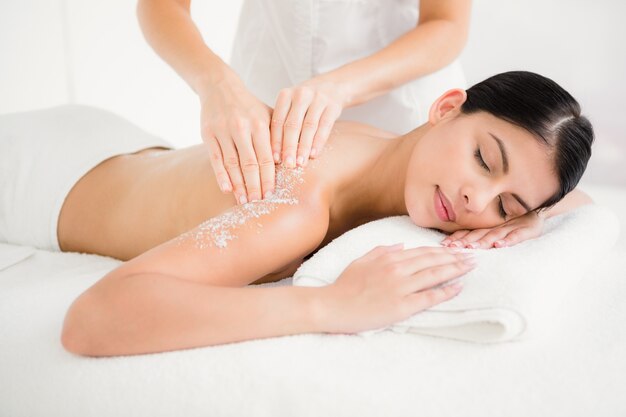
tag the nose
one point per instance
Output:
(476, 198)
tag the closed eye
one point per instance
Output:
(481, 162)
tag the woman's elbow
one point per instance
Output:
(79, 333)
(84, 326)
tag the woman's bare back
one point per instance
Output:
(132, 203)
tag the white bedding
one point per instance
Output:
(579, 370)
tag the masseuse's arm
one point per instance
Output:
(234, 123)
(304, 114)
(189, 293)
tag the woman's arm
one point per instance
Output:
(185, 293)
(188, 293)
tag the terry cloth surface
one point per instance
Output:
(512, 292)
(43, 154)
(579, 370)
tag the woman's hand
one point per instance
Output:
(388, 284)
(528, 226)
(235, 125)
(302, 120)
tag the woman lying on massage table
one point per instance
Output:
(482, 166)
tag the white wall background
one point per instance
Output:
(92, 52)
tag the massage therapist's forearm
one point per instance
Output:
(572, 200)
(156, 313)
(170, 31)
(425, 49)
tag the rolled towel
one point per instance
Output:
(511, 293)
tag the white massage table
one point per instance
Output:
(580, 370)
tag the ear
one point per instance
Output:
(448, 105)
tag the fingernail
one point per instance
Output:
(255, 196)
(313, 153)
(456, 244)
(268, 195)
(473, 245)
(225, 186)
(499, 243)
(243, 199)
(289, 162)
(276, 157)
(300, 160)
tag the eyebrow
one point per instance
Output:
(505, 164)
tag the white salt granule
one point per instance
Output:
(218, 230)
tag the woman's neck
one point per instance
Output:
(373, 184)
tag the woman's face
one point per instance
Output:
(480, 167)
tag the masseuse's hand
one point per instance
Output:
(516, 230)
(302, 120)
(389, 284)
(235, 125)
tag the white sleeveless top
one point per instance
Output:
(281, 43)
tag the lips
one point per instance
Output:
(443, 208)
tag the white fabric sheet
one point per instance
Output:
(577, 370)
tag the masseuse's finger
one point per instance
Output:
(217, 162)
(231, 162)
(293, 124)
(309, 128)
(324, 127)
(277, 124)
(248, 162)
(263, 150)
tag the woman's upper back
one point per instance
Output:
(138, 201)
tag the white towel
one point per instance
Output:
(512, 292)
(11, 254)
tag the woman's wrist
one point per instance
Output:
(320, 308)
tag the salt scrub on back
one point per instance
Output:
(218, 230)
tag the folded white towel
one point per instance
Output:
(511, 292)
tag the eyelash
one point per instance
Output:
(482, 163)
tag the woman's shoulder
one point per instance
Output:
(348, 149)
(353, 128)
